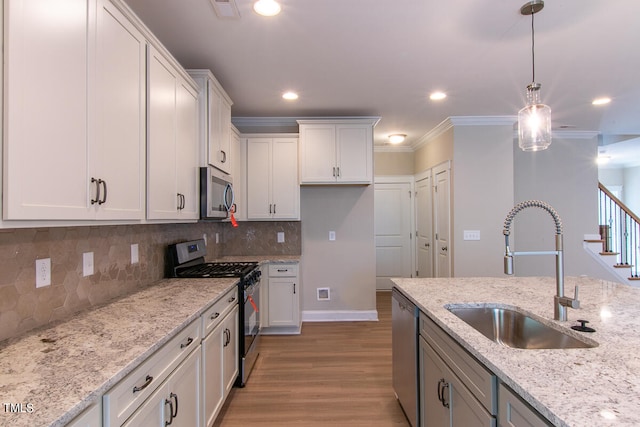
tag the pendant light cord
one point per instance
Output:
(533, 45)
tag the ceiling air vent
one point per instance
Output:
(226, 9)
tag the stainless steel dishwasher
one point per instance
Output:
(404, 330)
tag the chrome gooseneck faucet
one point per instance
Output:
(561, 302)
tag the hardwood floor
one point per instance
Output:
(333, 374)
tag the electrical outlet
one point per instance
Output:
(332, 236)
(217, 238)
(324, 294)
(87, 264)
(204, 237)
(43, 272)
(135, 255)
(280, 236)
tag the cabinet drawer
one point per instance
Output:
(283, 270)
(124, 398)
(481, 382)
(218, 310)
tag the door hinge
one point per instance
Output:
(410, 236)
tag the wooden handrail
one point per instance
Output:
(618, 202)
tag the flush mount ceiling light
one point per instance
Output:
(290, 96)
(266, 7)
(601, 101)
(534, 120)
(397, 138)
(437, 96)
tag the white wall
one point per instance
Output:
(347, 265)
(631, 189)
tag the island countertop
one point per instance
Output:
(63, 369)
(571, 387)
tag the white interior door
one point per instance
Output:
(392, 231)
(424, 227)
(442, 221)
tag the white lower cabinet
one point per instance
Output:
(282, 298)
(455, 390)
(219, 354)
(91, 417)
(176, 402)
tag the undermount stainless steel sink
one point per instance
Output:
(515, 329)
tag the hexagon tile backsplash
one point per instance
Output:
(24, 307)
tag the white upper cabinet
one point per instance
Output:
(74, 106)
(215, 114)
(336, 151)
(172, 149)
(272, 178)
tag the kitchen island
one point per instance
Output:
(571, 387)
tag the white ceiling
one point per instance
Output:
(383, 58)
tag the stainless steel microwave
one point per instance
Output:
(216, 194)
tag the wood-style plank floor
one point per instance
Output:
(332, 374)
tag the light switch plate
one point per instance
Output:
(471, 235)
(332, 236)
(280, 236)
(43, 272)
(135, 254)
(87, 264)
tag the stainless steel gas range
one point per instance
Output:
(186, 260)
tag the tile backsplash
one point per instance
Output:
(24, 307)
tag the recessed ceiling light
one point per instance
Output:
(601, 101)
(397, 138)
(266, 7)
(290, 96)
(437, 96)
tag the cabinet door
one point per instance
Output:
(259, 205)
(91, 417)
(118, 149)
(45, 128)
(230, 350)
(283, 301)
(514, 412)
(317, 154)
(433, 412)
(162, 195)
(212, 373)
(354, 154)
(285, 189)
(184, 392)
(225, 136)
(214, 99)
(187, 151)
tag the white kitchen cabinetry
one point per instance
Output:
(176, 402)
(172, 152)
(336, 151)
(273, 191)
(84, 159)
(283, 299)
(455, 390)
(219, 354)
(215, 114)
(126, 399)
(91, 417)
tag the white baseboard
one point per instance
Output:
(340, 315)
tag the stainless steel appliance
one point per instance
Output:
(186, 260)
(216, 194)
(404, 330)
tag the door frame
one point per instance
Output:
(405, 179)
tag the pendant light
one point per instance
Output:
(534, 120)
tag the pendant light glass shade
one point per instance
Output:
(534, 122)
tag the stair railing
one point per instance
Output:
(619, 229)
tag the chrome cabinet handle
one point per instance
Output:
(104, 187)
(147, 381)
(97, 199)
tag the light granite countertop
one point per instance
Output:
(63, 369)
(574, 387)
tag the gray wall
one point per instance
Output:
(347, 265)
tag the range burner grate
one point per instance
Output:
(217, 269)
